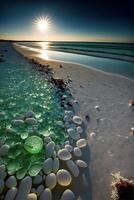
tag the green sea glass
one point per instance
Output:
(33, 144)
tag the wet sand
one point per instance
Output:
(111, 145)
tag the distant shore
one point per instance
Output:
(104, 99)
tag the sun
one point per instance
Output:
(42, 23)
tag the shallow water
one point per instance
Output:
(23, 89)
(106, 64)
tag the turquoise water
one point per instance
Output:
(24, 89)
(47, 50)
(98, 47)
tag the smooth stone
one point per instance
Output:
(79, 129)
(32, 196)
(56, 165)
(47, 139)
(4, 150)
(2, 141)
(68, 195)
(46, 195)
(50, 147)
(1, 185)
(81, 143)
(73, 168)
(37, 179)
(77, 152)
(30, 121)
(69, 112)
(3, 175)
(40, 189)
(11, 182)
(57, 147)
(47, 166)
(64, 177)
(33, 190)
(77, 120)
(51, 181)
(24, 188)
(17, 122)
(11, 193)
(81, 163)
(67, 142)
(30, 114)
(73, 134)
(67, 118)
(64, 154)
(69, 147)
(2, 171)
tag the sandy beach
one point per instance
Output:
(103, 104)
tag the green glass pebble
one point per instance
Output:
(15, 150)
(21, 173)
(34, 169)
(24, 135)
(13, 166)
(33, 144)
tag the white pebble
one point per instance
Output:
(77, 120)
(46, 195)
(73, 168)
(47, 166)
(64, 154)
(51, 181)
(77, 152)
(32, 196)
(81, 163)
(81, 143)
(68, 195)
(64, 177)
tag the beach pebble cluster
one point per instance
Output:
(40, 180)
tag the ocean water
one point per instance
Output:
(109, 57)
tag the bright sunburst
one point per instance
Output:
(43, 23)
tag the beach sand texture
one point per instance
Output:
(103, 103)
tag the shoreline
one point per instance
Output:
(94, 54)
(33, 53)
(108, 125)
(67, 164)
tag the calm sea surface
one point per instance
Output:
(62, 51)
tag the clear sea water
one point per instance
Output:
(117, 63)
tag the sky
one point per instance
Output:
(71, 20)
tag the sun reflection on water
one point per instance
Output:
(44, 50)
